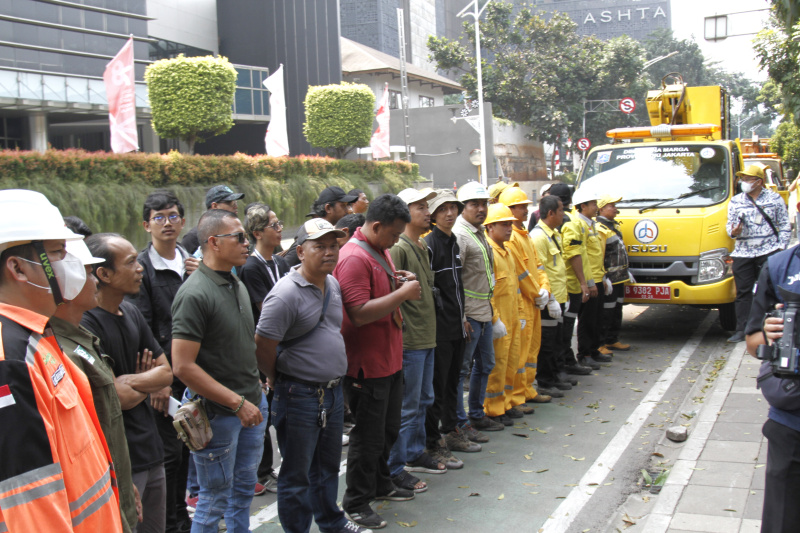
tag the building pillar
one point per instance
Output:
(37, 129)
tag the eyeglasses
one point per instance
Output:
(239, 235)
(161, 219)
(277, 226)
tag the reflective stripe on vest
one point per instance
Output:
(487, 265)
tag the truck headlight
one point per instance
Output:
(714, 265)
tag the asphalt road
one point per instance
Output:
(568, 467)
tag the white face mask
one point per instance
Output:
(70, 275)
(747, 187)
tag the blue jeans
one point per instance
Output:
(417, 397)
(480, 347)
(226, 472)
(309, 479)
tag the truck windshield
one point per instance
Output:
(690, 175)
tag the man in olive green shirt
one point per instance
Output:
(419, 340)
(83, 349)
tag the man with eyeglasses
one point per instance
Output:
(165, 265)
(217, 197)
(214, 353)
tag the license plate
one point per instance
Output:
(647, 292)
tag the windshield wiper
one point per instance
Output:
(681, 197)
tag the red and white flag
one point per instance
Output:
(6, 398)
(121, 95)
(380, 139)
(277, 139)
(558, 159)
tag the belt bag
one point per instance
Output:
(191, 423)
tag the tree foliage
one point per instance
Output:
(537, 72)
(191, 97)
(339, 117)
(786, 143)
(778, 50)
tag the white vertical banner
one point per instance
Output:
(277, 138)
(380, 139)
(121, 95)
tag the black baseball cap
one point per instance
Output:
(335, 194)
(221, 193)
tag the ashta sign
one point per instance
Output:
(612, 18)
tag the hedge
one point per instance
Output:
(108, 190)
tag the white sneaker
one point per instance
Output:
(345, 440)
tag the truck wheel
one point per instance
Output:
(727, 316)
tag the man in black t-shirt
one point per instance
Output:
(139, 363)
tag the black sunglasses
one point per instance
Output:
(240, 236)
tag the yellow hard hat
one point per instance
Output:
(496, 189)
(607, 199)
(514, 196)
(756, 171)
(499, 213)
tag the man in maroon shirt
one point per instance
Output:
(372, 291)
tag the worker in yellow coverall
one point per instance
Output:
(506, 327)
(535, 293)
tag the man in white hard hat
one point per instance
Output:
(55, 455)
(478, 276)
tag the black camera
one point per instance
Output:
(783, 353)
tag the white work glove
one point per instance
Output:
(499, 330)
(566, 306)
(522, 323)
(609, 287)
(553, 309)
(632, 279)
(541, 300)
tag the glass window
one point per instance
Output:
(243, 103)
(426, 101)
(93, 20)
(243, 77)
(716, 28)
(116, 24)
(395, 99)
(679, 175)
(71, 16)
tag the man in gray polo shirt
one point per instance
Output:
(302, 318)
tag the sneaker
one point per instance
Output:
(260, 489)
(515, 412)
(737, 337)
(397, 495)
(588, 361)
(407, 481)
(426, 464)
(601, 358)
(485, 423)
(458, 441)
(443, 455)
(552, 392)
(605, 351)
(541, 398)
(191, 502)
(350, 527)
(472, 434)
(526, 409)
(271, 482)
(621, 346)
(578, 370)
(345, 439)
(367, 518)
(503, 419)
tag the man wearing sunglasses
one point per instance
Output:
(214, 353)
(166, 264)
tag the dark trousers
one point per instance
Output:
(551, 357)
(745, 274)
(176, 471)
(376, 404)
(570, 316)
(265, 466)
(612, 315)
(447, 359)
(780, 513)
(589, 318)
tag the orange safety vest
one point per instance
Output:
(56, 473)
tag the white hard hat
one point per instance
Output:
(27, 216)
(81, 251)
(472, 190)
(411, 195)
(585, 194)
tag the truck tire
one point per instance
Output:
(727, 316)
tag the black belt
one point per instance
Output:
(319, 384)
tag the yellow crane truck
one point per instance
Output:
(675, 178)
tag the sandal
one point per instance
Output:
(426, 464)
(407, 481)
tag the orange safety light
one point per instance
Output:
(663, 130)
(766, 155)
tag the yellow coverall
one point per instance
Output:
(532, 277)
(506, 308)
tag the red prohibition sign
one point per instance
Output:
(627, 105)
(584, 144)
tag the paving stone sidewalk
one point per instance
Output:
(717, 483)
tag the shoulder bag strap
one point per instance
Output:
(291, 342)
(766, 217)
(377, 257)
